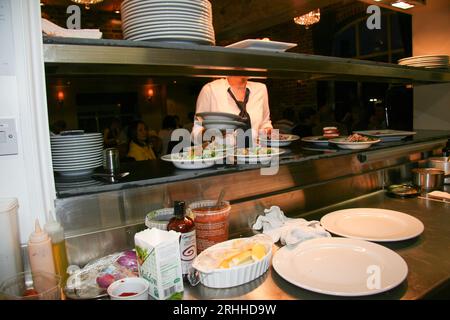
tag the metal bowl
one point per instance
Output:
(428, 178)
(441, 163)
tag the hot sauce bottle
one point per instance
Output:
(185, 225)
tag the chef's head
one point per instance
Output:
(237, 79)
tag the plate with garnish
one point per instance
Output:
(354, 142)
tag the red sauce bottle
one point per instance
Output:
(185, 225)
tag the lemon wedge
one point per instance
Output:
(258, 251)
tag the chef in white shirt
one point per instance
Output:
(236, 95)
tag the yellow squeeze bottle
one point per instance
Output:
(56, 233)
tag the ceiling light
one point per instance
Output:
(308, 19)
(87, 3)
(402, 5)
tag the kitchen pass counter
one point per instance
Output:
(427, 257)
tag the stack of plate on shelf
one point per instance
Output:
(428, 61)
(169, 21)
(76, 155)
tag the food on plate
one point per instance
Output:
(194, 154)
(359, 138)
(330, 132)
(233, 253)
(255, 151)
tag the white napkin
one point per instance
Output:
(287, 230)
(51, 29)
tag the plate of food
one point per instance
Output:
(280, 140)
(194, 159)
(354, 142)
(257, 154)
(387, 135)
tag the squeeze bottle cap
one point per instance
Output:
(38, 235)
(54, 229)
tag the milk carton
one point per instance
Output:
(159, 262)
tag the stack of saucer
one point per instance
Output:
(76, 155)
(169, 21)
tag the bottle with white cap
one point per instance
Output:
(56, 233)
(40, 251)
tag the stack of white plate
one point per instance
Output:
(75, 155)
(428, 61)
(168, 21)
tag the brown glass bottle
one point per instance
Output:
(185, 225)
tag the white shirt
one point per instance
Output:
(214, 97)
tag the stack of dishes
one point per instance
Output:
(168, 21)
(428, 61)
(76, 155)
(220, 120)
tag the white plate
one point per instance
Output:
(177, 39)
(219, 116)
(341, 143)
(132, 24)
(279, 143)
(138, 13)
(69, 145)
(340, 266)
(193, 164)
(180, 25)
(170, 32)
(128, 5)
(72, 163)
(86, 136)
(78, 172)
(262, 45)
(387, 135)
(315, 140)
(222, 124)
(372, 224)
(77, 152)
(253, 158)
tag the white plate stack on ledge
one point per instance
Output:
(428, 61)
(183, 21)
(77, 155)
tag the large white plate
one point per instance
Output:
(387, 135)
(63, 144)
(193, 164)
(57, 137)
(155, 26)
(341, 143)
(289, 138)
(131, 24)
(169, 31)
(141, 12)
(77, 172)
(128, 5)
(254, 158)
(316, 140)
(262, 45)
(177, 38)
(372, 224)
(219, 116)
(222, 124)
(340, 266)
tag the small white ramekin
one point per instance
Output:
(134, 285)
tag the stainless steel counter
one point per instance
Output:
(427, 257)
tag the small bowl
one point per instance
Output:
(129, 289)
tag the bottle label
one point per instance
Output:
(188, 250)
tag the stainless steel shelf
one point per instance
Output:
(122, 57)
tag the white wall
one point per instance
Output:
(431, 35)
(28, 175)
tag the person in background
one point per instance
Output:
(140, 147)
(327, 119)
(190, 124)
(178, 122)
(287, 123)
(113, 134)
(168, 125)
(378, 119)
(58, 126)
(307, 121)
